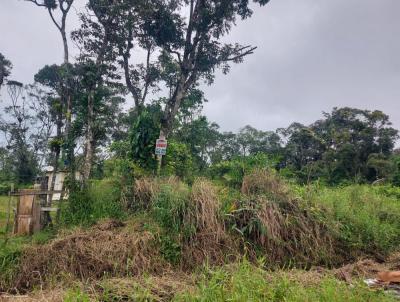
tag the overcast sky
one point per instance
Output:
(312, 55)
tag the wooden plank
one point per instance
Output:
(33, 192)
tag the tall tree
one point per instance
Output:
(63, 7)
(197, 50)
(96, 66)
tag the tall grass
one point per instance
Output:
(246, 282)
(11, 251)
(364, 219)
(100, 199)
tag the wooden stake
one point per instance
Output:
(8, 214)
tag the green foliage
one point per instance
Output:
(5, 188)
(396, 174)
(55, 143)
(100, 199)
(144, 134)
(178, 160)
(388, 191)
(170, 249)
(364, 220)
(76, 295)
(106, 196)
(348, 145)
(170, 206)
(245, 282)
(123, 169)
(232, 172)
(79, 208)
(9, 260)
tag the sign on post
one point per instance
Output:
(161, 147)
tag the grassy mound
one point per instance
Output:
(282, 227)
(174, 226)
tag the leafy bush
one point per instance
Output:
(232, 172)
(178, 160)
(79, 210)
(143, 136)
(170, 249)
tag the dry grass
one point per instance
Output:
(275, 221)
(263, 181)
(209, 242)
(105, 250)
(145, 190)
(153, 288)
(205, 212)
(367, 268)
(272, 222)
(42, 296)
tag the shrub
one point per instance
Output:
(232, 172)
(106, 199)
(178, 160)
(79, 210)
(100, 199)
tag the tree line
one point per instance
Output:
(158, 54)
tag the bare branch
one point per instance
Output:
(249, 51)
(37, 3)
(147, 77)
(54, 20)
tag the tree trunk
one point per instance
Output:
(65, 45)
(89, 140)
(56, 158)
(69, 138)
(172, 108)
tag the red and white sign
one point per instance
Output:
(161, 147)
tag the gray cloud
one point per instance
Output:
(312, 55)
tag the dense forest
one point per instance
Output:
(302, 213)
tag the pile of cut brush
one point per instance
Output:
(177, 227)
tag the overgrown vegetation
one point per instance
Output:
(228, 214)
(176, 226)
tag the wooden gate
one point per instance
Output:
(27, 220)
(31, 207)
